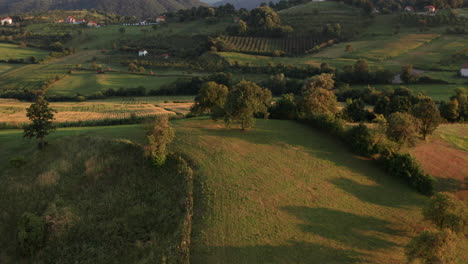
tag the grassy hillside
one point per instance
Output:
(103, 202)
(12, 51)
(283, 193)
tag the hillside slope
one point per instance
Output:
(140, 8)
(249, 4)
(284, 193)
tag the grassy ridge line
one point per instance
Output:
(283, 193)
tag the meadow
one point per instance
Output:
(13, 51)
(92, 183)
(88, 83)
(284, 193)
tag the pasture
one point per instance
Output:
(284, 193)
(437, 92)
(13, 51)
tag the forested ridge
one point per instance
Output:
(140, 8)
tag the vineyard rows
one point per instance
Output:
(291, 46)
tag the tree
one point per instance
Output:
(211, 98)
(403, 128)
(284, 108)
(428, 113)
(41, 117)
(317, 97)
(349, 48)
(122, 30)
(355, 111)
(244, 101)
(447, 211)
(407, 75)
(160, 134)
(431, 247)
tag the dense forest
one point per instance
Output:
(139, 8)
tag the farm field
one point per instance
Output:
(445, 156)
(284, 193)
(13, 51)
(13, 112)
(435, 91)
(88, 83)
(4, 67)
(312, 16)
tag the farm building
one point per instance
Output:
(430, 9)
(464, 70)
(142, 53)
(70, 20)
(165, 56)
(161, 19)
(92, 24)
(80, 21)
(6, 21)
(409, 9)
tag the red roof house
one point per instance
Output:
(430, 8)
(6, 21)
(70, 20)
(409, 9)
(160, 19)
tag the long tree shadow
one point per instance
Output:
(376, 194)
(325, 147)
(347, 228)
(292, 252)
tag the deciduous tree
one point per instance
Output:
(41, 117)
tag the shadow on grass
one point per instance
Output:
(388, 191)
(451, 185)
(346, 228)
(292, 252)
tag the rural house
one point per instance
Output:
(409, 9)
(161, 19)
(142, 53)
(464, 70)
(430, 9)
(92, 24)
(6, 21)
(165, 56)
(70, 20)
(80, 21)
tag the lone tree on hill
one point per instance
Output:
(41, 117)
(246, 100)
(159, 134)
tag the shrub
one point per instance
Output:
(18, 162)
(31, 233)
(405, 167)
(160, 134)
(360, 140)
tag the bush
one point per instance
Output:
(405, 167)
(17, 162)
(31, 233)
(360, 140)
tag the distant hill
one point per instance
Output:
(139, 8)
(249, 4)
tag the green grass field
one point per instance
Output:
(435, 91)
(87, 83)
(12, 51)
(284, 193)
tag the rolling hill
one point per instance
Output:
(140, 8)
(249, 4)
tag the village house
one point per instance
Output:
(80, 21)
(464, 70)
(70, 20)
(409, 9)
(237, 20)
(160, 19)
(142, 53)
(6, 21)
(430, 9)
(165, 56)
(92, 24)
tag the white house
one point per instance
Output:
(92, 24)
(142, 53)
(430, 9)
(6, 21)
(409, 9)
(464, 70)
